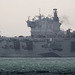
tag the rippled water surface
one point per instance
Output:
(37, 66)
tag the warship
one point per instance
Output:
(46, 40)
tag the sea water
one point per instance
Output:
(37, 66)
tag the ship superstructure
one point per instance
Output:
(46, 40)
(44, 27)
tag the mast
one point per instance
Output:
(0, 33)
(39, 14)
(39, 11)
(55, 18)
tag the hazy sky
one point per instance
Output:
(14, 14)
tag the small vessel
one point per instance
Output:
(46, 40)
